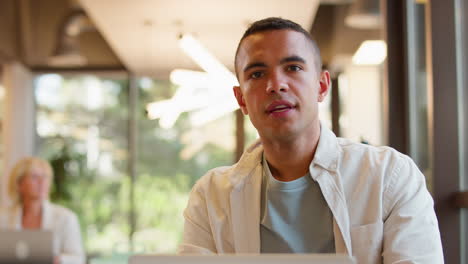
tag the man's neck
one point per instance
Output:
(290, 160)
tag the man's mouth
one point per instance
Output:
(279, 106)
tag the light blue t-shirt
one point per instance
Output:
(295, 217)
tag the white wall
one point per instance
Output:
(362, 108)
(18, 119)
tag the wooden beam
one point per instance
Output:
(460, 199)
(5, 57)
(9, 30)
(396, 88)
(42, 69)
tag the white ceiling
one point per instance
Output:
(144, 33)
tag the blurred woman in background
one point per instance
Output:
(29, 187)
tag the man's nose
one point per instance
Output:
(276, 83)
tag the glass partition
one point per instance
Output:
(420, 147)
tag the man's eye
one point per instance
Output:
(294, 68)
(256, 75)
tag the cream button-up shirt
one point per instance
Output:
(382, 210)
(64, 226)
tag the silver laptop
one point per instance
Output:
(244, 259)
(26, 247)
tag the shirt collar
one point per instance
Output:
(327, 152)
(326, 156)
(251, 158)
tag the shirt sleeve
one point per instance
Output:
(72, 249)
(411, 232)
(197, 236)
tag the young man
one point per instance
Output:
(299, 189)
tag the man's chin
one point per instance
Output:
(282, 134)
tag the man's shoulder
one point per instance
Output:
(225, 177)
(217, 177)
(218, 174)
(362, 150)
(376, 160)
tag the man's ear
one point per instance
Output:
(240, 99)
(325, 85)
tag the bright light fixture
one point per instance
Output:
(371, 52)
(213, 112)
(187, 77)
(207, 94)
(206, 103)
(169, 110)
(204, 58)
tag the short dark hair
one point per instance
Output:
(277, 23)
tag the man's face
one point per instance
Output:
(280, 86)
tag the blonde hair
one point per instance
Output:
(21, 168)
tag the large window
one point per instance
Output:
(83, 129)
(170, 160)
(418, 117)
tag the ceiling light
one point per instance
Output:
(157, 109)
(67, 49)
(187, 77)
(205, 59)
(224, 105)
(364, 14)
(207, 94)
(371, 52)
(67, 54)
(185, 99)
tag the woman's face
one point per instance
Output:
(34, 185)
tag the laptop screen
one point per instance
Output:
(26, 247)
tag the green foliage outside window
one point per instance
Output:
(91, 176)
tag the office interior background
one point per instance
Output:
(131, 101)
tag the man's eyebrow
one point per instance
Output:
(253, 65)
(293, 58)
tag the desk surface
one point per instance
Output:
(244, 259)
